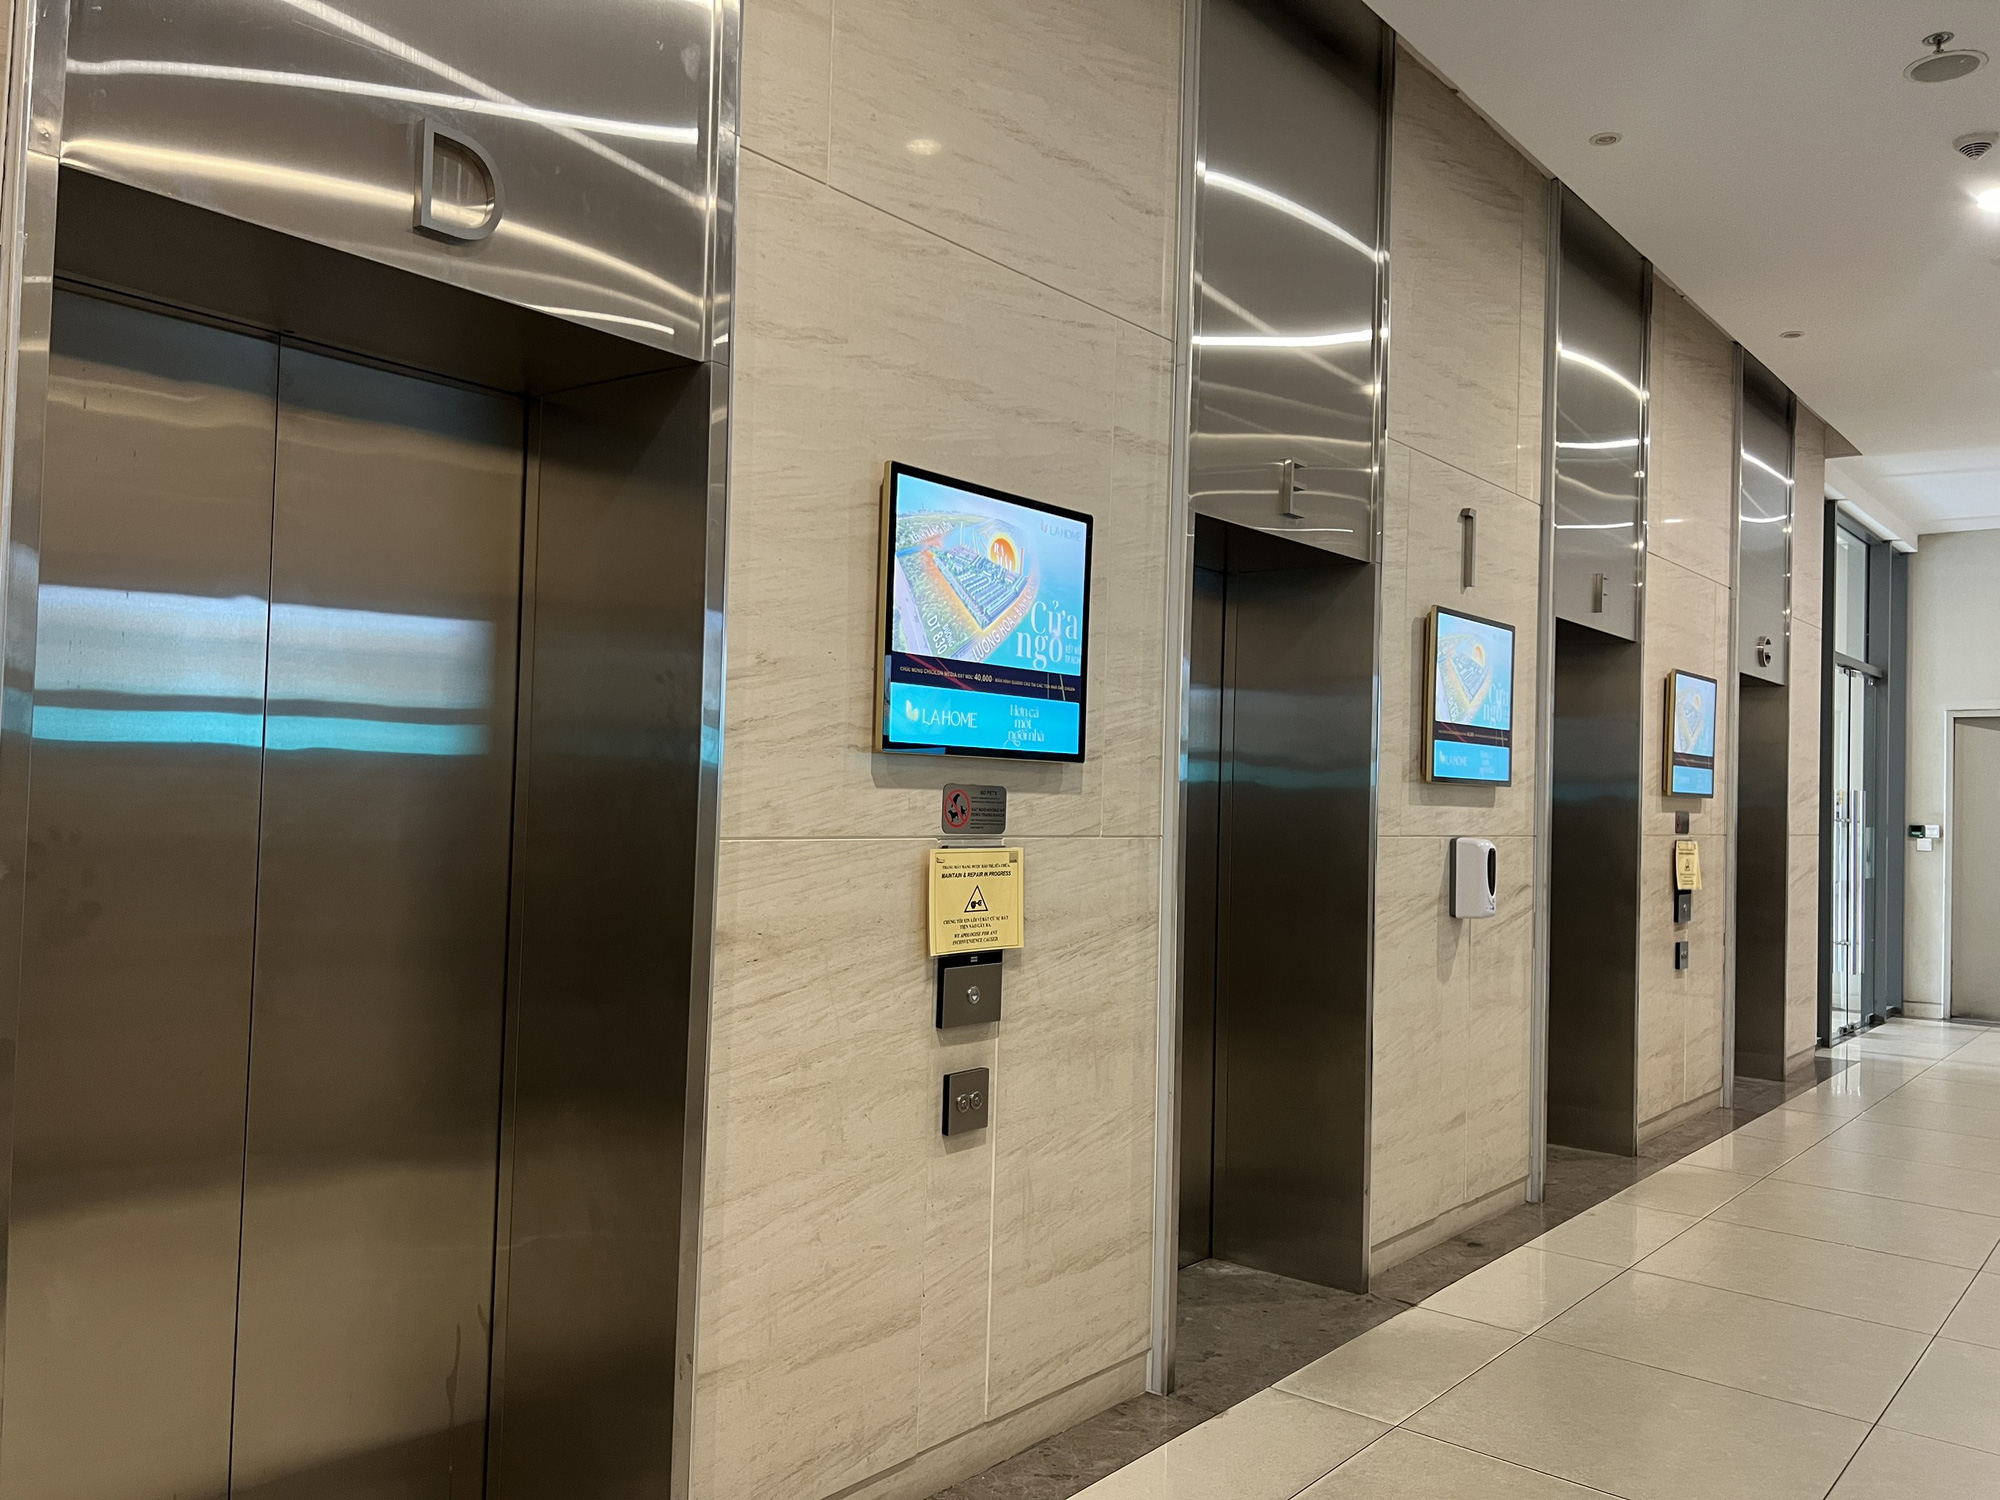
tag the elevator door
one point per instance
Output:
(265, 937)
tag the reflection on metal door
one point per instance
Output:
(1853, 852)
(1973, 841)
(260, 1049)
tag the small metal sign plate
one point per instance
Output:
(974, 812)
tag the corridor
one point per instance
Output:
(1808, 1307)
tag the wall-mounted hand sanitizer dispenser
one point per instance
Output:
(1475, 878)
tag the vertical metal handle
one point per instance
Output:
(1857, 882)
(1597, 593)
(1288, 487)
(1469, 561)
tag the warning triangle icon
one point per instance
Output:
(977, 903)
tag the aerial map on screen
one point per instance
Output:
(1472, 728)
(1692, 770)
(986, 623)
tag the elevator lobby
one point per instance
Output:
(999, 750)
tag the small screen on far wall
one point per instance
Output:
(1691, 730)
(986, 621)
(1472, 699)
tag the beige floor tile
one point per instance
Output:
(1685, 1189)
(1775, 1349)
(1638, 1432)
(1619, 1234)
(1902, 1466)
(1403, 1465)
(1840, 1103)
(1394, 1368)
(1972, 1093)
(1888, 1224)
(1976, 1319)
(1523, 1289)
(1964, 1069)
(1930, 1114)
(1868, 1284)
(1791, 1126)
(1752, 1156)
(1954, 1396)
(1930, 1182)
(1267, 1448)
(1907, 1143)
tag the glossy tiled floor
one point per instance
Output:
(1807, 1307)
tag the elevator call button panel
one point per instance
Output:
(968, 1100)
(968, 989)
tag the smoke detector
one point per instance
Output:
(1940, 66)
(1976, 145)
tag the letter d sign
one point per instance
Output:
(458, 187)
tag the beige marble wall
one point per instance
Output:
(1803, 685)
(1691, 516)
(880, 1307)
(1452, 998)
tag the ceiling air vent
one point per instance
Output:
(1940, 66)
(1976, 145)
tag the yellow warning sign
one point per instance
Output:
(1687, 865)
(976, 900)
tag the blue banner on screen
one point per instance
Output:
(986, 622)
(1691, 723)
(1472, 710)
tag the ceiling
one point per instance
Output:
(1778, 168)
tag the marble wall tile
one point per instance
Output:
(1422, 567)
(844, 1240)
(863, 339)
(1711, 934)
(1501, 999)
(1808, 518)
(1422, 1054)
(1680, 1011)
(1129, 666)
(1802, 946)
(1803, 685)
(1690, 496)
(1056, 130)
(1455, 293)
(1535, 191)
(1073, 1141)
(788, 81)
(1686, 628)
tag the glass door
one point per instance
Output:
(1853, 851)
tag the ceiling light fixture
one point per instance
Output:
(1940, 66)
(1606, 138)
(1989, 200)
(1976, 145)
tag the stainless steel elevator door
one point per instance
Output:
(369, 1178)
(259, 1070)
(140, 901)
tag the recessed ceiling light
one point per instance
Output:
(923, 146)
(1940, 66)
(1793, 333)
(1989, 200)
(1606, 138)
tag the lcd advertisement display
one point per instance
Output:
(985, 604)
(1690, 757)
(1470, 731)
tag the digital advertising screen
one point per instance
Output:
(1690, 757)
(1470, 734)
(985, 603)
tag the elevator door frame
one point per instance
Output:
(471, 336)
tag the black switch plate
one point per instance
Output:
(968, 1097)
(1683, 907)
(968, 989)
(1681, 959)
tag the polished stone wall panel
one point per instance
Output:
(787, 83)
(1808, 518)
(1468, 261)
(1690, 495)
(1056, 135)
